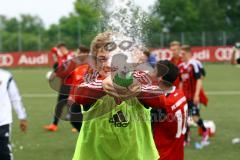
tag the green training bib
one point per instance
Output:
(116, 132)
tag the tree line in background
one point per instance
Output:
(168, 18)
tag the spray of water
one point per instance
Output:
(126, 19)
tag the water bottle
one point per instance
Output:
(124, 77)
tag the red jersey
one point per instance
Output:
(78, 74)
(61, 59)
(71, 71)
(177, 82)
(77, 78)
(89, 90)
(190, 73)
(176, 60)
(169, 131)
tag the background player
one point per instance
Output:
(81, 67)
(175, 48)
(61, 54)
(9, 96)
(203, 97)
(192, 85)
(236, 49)
(170, 121)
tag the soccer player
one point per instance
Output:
(175, 48)
(169, 113)
(9, 96)
(203, 97)
(115, 127)
(235, 61)
(61, 54)
(192, 84)
(80, 69)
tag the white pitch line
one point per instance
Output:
(225, 93)
(39, 95)
(52, 95)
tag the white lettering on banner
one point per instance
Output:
(166, 54)
(223, 54)
(202, 55)
(6, 60)
(162, 54)
(205, 54)
(42, 59)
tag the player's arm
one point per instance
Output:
(202, 70)
(17, 104)
(87, 95)
(152, 100)
(197, 92)
(54, 51)
(89, 91)
(65, 69)
(122, 93)
(198, 77)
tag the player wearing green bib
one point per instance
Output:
(123, 133)
(115, 127)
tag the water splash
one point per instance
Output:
(127, 19)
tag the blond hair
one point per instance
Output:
(175, 43)
(100, 41)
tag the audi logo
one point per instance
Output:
(223, 54)
(6, 60)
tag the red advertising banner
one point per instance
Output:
(204, 54)
(26, 59)
(45, 59)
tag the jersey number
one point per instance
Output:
(181, 122)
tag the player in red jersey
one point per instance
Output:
(61, 55)
(169, 115)
(175, 48)
(203, 97)
(192, 84)
(81, 68)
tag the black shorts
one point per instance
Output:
(5, 147)
(193, 110)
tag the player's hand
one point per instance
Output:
(121, 92)
(196, 99)
(23, 125)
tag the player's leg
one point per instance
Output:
(5, 146)
(199, 121)
(61, 103)
(187, 138)
(76, 116)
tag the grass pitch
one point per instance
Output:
(222, 84)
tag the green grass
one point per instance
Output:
(40, 145)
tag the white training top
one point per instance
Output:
(9, 96)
